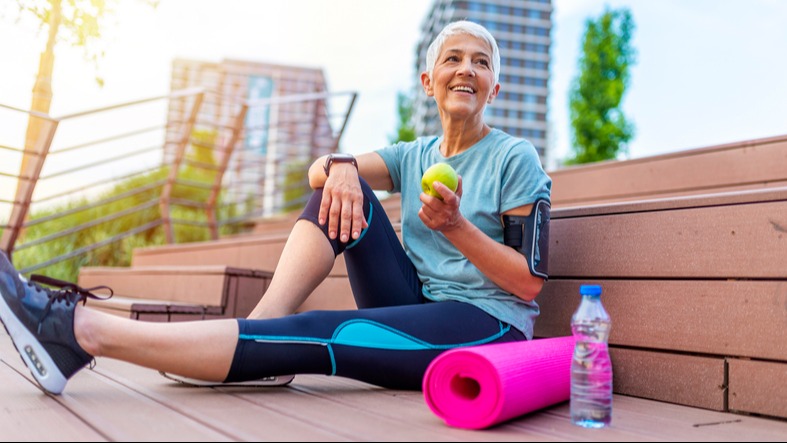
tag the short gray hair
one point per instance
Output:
(463, 27)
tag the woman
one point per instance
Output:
(455, 283)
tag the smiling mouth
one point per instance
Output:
(462, 88)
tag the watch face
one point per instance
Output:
(341, 156)
(338, 157)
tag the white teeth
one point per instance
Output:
(463, 89)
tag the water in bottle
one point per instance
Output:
(591, 368)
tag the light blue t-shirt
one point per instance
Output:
(499, 173)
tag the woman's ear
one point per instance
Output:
(426, 82)
(493, 93)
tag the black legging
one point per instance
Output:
(389, 341)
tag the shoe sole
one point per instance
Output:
(262, 382)
(37, 360)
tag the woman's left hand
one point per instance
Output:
(442, 215)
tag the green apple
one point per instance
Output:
(439, 172)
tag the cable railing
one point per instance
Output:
(95, 184)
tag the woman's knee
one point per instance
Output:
(311, 213)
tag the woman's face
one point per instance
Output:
(462, 80)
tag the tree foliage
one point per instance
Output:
(405, 130)
(599, 129)
(78, 22)
(75, 22)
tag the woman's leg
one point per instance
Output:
(389, 347)
(304, 263)
(379, 270)
(56, 337)
(199, 349)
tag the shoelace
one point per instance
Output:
(68, 293)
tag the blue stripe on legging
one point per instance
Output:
(368, 225)
(369, 334)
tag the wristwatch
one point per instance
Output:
(338, 157)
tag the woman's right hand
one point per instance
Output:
(342, 203)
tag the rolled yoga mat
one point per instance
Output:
(480, 386)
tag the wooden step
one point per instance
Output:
(282, 223)
(334, 293)
(695, 287)
(259, 251)
(156, 310)
(170, 293)
(277, 224)
(251, 251)
(234, 290)
(745, 165)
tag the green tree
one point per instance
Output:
(599, 128)
(405, 131)
(78, 22)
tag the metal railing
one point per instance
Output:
(98, 183)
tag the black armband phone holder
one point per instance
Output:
(529, 235)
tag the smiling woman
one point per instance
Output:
(457, 279)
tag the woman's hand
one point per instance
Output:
(342, 203)
(442, 215)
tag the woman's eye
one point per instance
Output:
(452, 58)
(484, 62)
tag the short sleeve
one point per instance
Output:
(393, 158)
(524, 180)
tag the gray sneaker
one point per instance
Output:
(40, 322)
(280, 380)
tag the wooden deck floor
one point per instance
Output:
(120, 402)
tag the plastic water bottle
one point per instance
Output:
(591, 367)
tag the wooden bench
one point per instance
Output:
(177, 293)
(697, 290)
(746, 165)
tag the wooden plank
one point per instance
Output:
(243, 293)
(127, 402)
(671, 422)
(603, 200)
(155, 310)
(248, 251)
(736, 241)
(234, 251)
(750, 163)
(325, 407)
(223, 408)
(634, 419)
(409, 407)
(759, 387)
(334, 293)
(116, 412)
(28, 415)
(689, 201)
(731, 318)
(291, 413)
(682, 379)
(202, 285)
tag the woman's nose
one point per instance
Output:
(466, 68)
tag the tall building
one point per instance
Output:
(289, 123)
(522, 30)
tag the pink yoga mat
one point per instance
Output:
(480, 386)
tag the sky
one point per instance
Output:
(708, 72)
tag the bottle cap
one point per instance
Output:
(590, 289)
